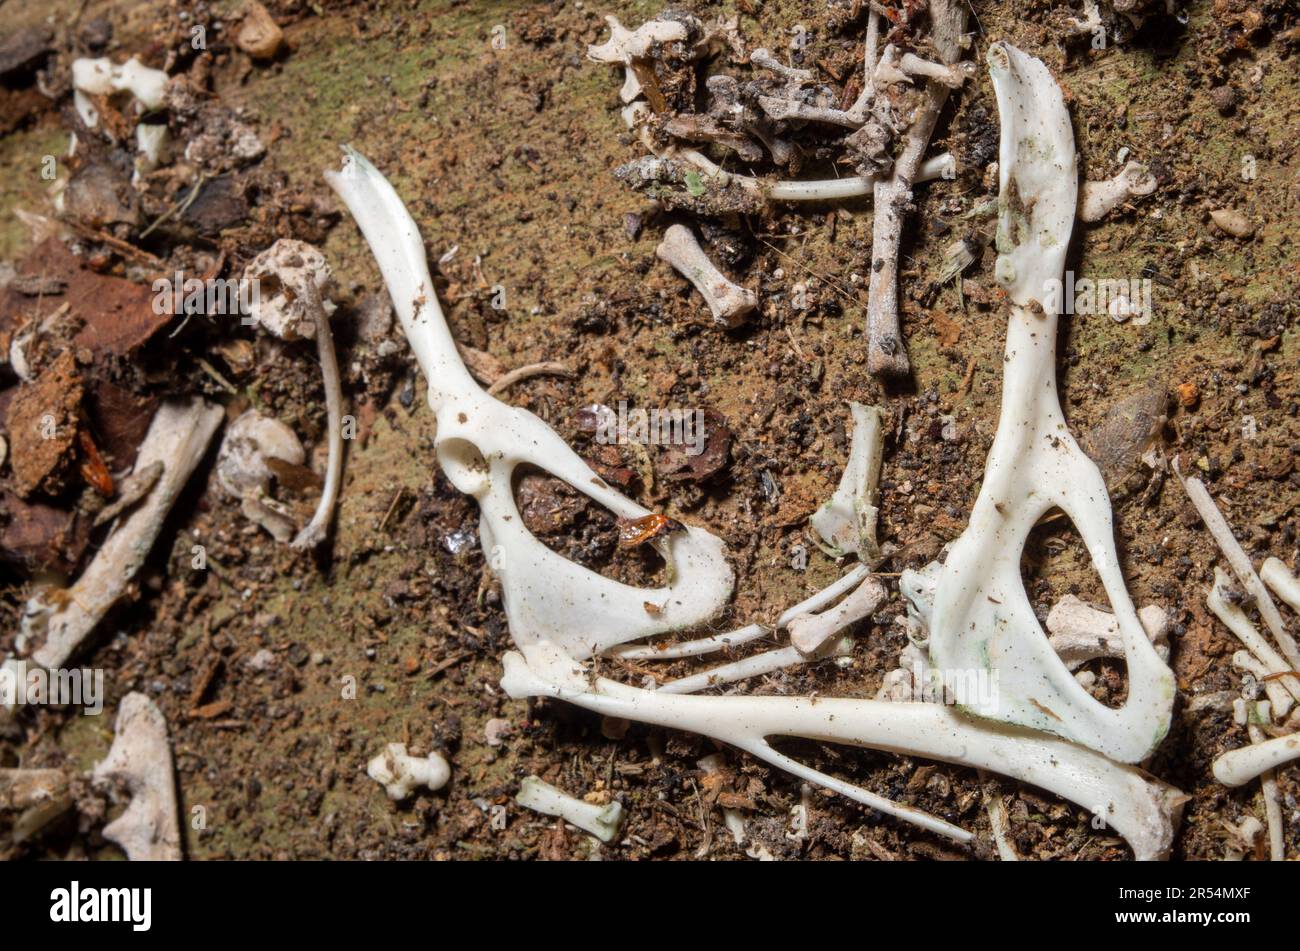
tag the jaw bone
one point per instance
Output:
(982, 618)
(481, 440)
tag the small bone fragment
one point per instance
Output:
(103, 77)
(300, 308)
(400, 774)
(727, 302)
(1238, 767)
(1080, 633)
(847, 522)
(749, 632)
(1245, 835)
(132, 490)
(1098, 199)
(953, 76)
(1278, 698)
(140, 759)
(41, 795)
(601, 821)
(244, 471)
(809, 633)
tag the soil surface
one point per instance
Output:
(281, 674)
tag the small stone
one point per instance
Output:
(1224, 99)
(259, 36)
(1233, 222)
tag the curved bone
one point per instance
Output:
(481, 440)
(1143, 810)
(1284, 584)
(982, 618)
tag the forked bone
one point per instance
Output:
(481, 440)
(982, 618)
(1143, 810)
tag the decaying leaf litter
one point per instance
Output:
(631, 328)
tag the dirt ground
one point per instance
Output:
(507, 154)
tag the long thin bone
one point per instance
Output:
(887, 352)
(1145, 811)
(750, 632)
(481, 440)
(1235, 620)
(982, 618)
(1241, 565)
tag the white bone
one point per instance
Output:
(1284, 584)
(750, 632)
(810, 632)
(40, 795)
(982, 618)
(1278, 698)
(178, 437)
(731, 817)
(1080, 633)
(951, 76)
(728, 302)
(847, 522)
(624, 46)
(299, 308)
(1244, 837)
(481, 440)
(1235, 620)
(401, 774)
(1241, 566)
(1144, 811)
(1098, 199)
(601, 821)
(148, 830)
(243, 469)
(1240, 766)
(102, 77)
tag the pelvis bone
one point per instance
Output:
(560, 614)
(481, 440)
(982, 618)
